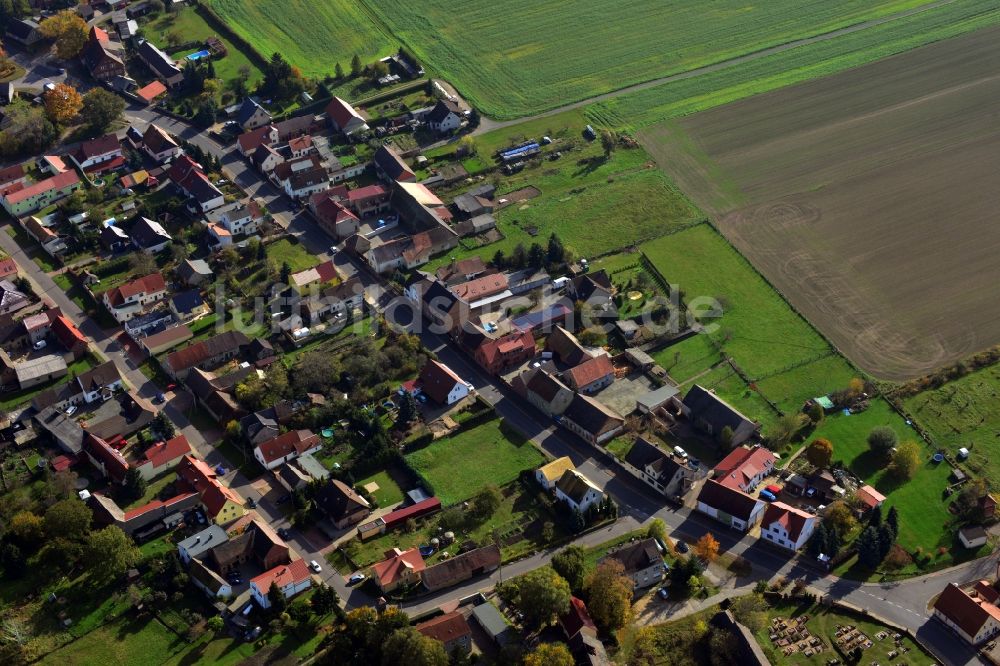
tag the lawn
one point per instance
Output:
(822, 623)
(963, 413)
(125, 642)
(595, 205)
(388, 492)
(292, 252)
(530, 57)
(923, 510)
(688, 359)
(153, 488)
(194, 28)
(803, 63)
(457, 467)
(314, 36)
(758, 329)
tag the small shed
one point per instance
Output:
(492, 622)
(972, 536)
(957, 475)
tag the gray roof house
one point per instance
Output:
(711, 414)
(642, 561)
(654, 466)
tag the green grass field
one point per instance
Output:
(963, 413)
(388, 492)
(524, 57)
(312, 35)
(758, 328)
(459, 466)
(126, 642)
(803, 63)
(192, 27)
(292, 252)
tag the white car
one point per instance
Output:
(71, 410)
(355, 579)
(333, 250)
(40, 344)
(314, 565)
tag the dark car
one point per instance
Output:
(283, 533)
(681, 547)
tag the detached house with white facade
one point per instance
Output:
(578, 491)
(131, 298)
(786, 526)
(289, 446)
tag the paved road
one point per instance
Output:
(486, 124)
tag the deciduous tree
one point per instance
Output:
(109, 554)
(542, 595)
(409, 646)
(549, 654)
(905, 461)
(101, 108)
(882, 439)
(487, 501)
(69, 32)
(570, 563)
(707, 548)
(820, 453)
(63, 103)
(68, 519)
(839, 515)
(609, 593)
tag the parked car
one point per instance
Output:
(774, 489)
(71, 410)
(681, 547)
(810, 492)
(663, 593)
(251, 502)
(160, 398)
(356, 578)
(282, 532)
(314, 565)
(765, 494)
(41, 344)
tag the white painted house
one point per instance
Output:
(787, 527)
(291, 579)
(972, 614)
(729, 506)
(578, 491)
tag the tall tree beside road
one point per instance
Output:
(63, 103)
(101, 108)
(549, 654)
(570, 563)
(68, 30)
(707, 548)
(409, 646)
(609, 596)
(541, 594)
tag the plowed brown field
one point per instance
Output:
(870, 198)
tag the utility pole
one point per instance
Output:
(496, 541)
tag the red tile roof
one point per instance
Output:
(790, 518)
(576, 618)
(445, 628)
(99, 34)
(967, 612)
(114, 462)
(149, 284)
(282, 575)
(367, 192)
(57, 182)
(164, 453)
(391, 569)
(522, 341)
(294, 441)
(67, 333)
(300, 143)
(437, 380)
(421, 508)
(481, 287)
(590, 371)
(871, 497)
(152, 91)
(204, 481)
(743, 464)
(8, 267)
(156, 504)
(250, 141)
(341, 112)
(109, 165)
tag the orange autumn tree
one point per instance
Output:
(707, 548)
(63, 103)
(68, 30)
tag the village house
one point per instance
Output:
(163, 66)
(591, 420)
(744, 468)
(50, 240)
(566, 347)
(446, 116)
(451, 629)
(188, 305)
(390, 167)
(114, 239)
(592, 375)
(581, 635)
(100, 60)
(107, 460)
(729, 506)
(420, 209)
(252, 115)
(786, 526)
(461, 568)
(543, 390)
(440, 383)
(548, 474)
(23, 31)
(266, 158)
(239, 218)
(460, 270)
(188, 176)
(338, 301)
(286, 447)
(128, 300)
(165, 340)
(344, 118)
(301, 178)
(217, 395)
(314, 279)
(221, 503)
(99, 383)
(21, 202)
(248, 539)
(410, 251)
(713, 415)
(291, 579)
(206, 354)
(99, 155)
(162, 457)
(12, 299)
(657, 468)
(578, 491)
(159, 145)
(149, 236)
(400, 568)
(332, 215)
(341, 504)
(155, 516)
(193, 272)
(500, 354)
(972, 613)
(642, 562)
(369, 200)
